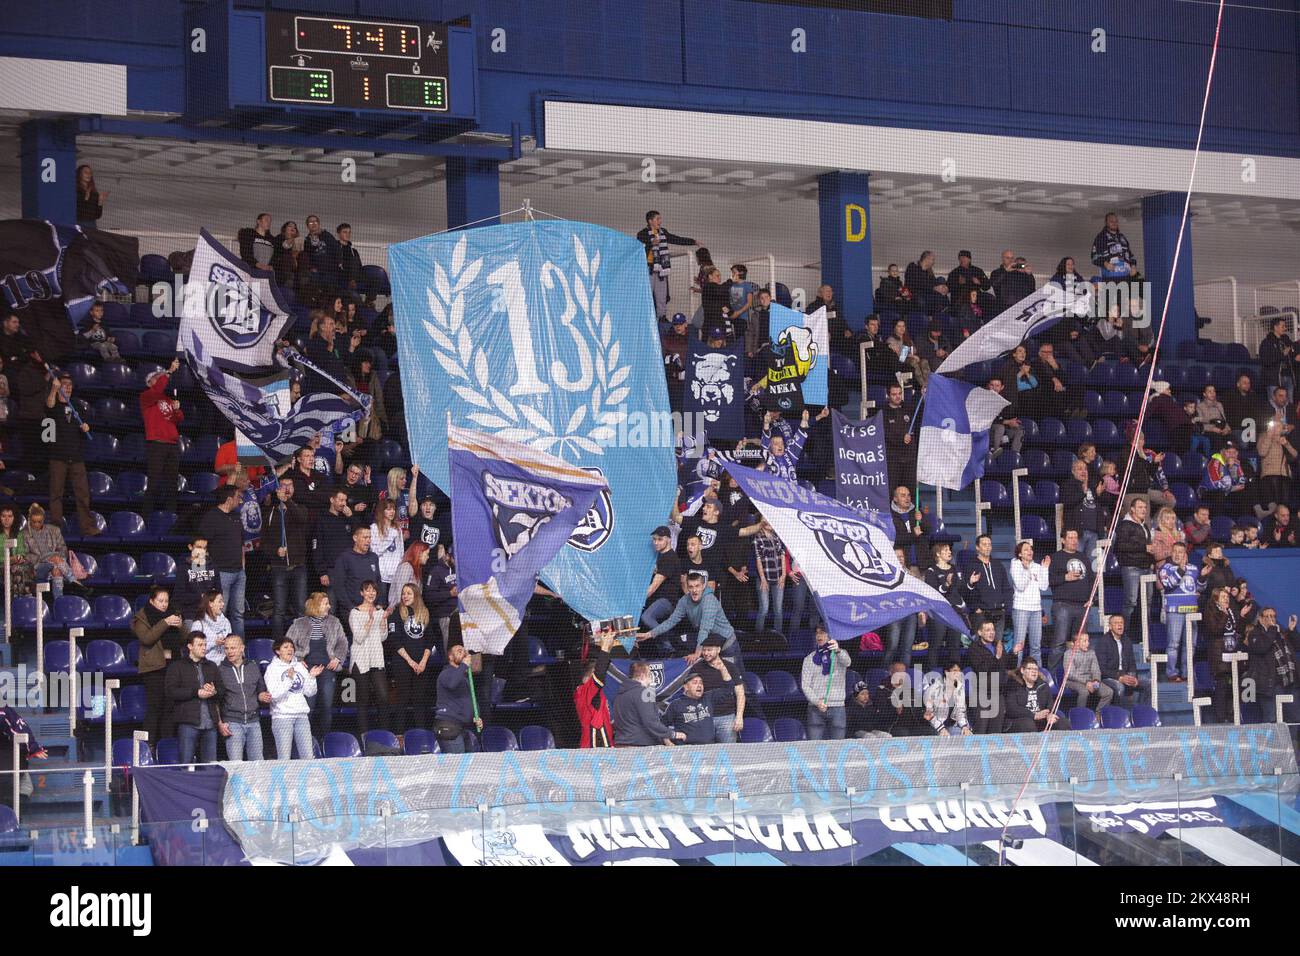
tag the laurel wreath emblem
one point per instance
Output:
(591, 423)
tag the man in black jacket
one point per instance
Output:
(191, 687)
(224, 531)
(1134, 550)
(1247, 412)
(1070, 576)
(1011, 281)
(349, 260)
(285, 525)
(1118, 665)
(1111, 252)
(67, 445)
(331, 536)
(987, 662)
(900, 443)
(1277, 356)
(988, 587)
(656, 240)
(636, 716)
(910, 530)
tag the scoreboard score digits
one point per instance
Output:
(357, 64)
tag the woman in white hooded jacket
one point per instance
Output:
(290, 684)
(1030, 581)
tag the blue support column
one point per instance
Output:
(48, 160)
(844, 209)
(473, 190)
(1162, 214)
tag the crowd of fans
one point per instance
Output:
(359, 576)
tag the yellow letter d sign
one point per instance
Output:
(853, 213)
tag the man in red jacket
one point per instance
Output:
(590, 702)
(161, 413)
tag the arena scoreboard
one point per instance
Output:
(357, 64)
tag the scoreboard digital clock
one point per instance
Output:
(357, 64)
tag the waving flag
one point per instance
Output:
(715, 389)
(1031, 315)
(512, 509)
(231, 321)
(800, 348)
(544, 333)
(238, 316)
(955, 432)
(847, 556)
(50, 275)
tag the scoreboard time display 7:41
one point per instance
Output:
(356, 64)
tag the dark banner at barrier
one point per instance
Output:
(932, 9)
(305, 809)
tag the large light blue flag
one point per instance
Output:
(512, 509)
(800, 355)
(954, 439)
(544, 333)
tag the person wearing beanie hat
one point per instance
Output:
(968, 278)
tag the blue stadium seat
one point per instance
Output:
(132, 485)
(537, 652)
(1051, 431)
(1114, 718)
(788, 730)
(1027, 497)
(1221, 528)
(113, 611)
(160, 524)
(132, 448)
(1030, 428)
(497, 739)
(124, 748)
(56, 657)
(1184, 496)
(113, 413)
(72, 529)
(154, 268)
(1192, 466)
(203, 483)
(117, 376)
(72, 611)
(1081, 718)
(1105, 433)
(384, 738)
(107, 657)
(160, 567)
(1035, 528)
(1198, 376)
(995, 493)
(780, 685)
(1047, 493)
(159, 343)
(25, 610)
(1129, 377)
(391, 454)
(1036, 460)
(1077, 431)
(168, 751)
(1115, 404)
(133, 653)
(419, 741)
(1002, 466)
(1093, 405)
(1102, 377)
(132, 704)
(101, 447)
(753, 685)
(84, 375)
(534, 737)
(755, 731)
(126, 526)
(1062, 459)
(128, 343)
(101, 485)
(1249, 521)
(259, 649)
(120, 568)
(374, 280)
(1223, 377)
(337, 743)
(203, 451)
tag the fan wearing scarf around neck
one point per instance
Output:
(822, 682)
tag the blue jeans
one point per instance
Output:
(187, 735)
(282, 581)
(45, 572)
(819, 723)
(454, 746)
(1176, 629)
(322, 705)
(723, 731)
(945, 644)
(245, 741)
(772, 596)
(656, 613)
(1028, 629)
(1087, 545)
(1066, 620)
(292, 732)
(898, 639)
(232, 589)
(1132, 600)
(801, 593)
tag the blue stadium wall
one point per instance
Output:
(1024, 67)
